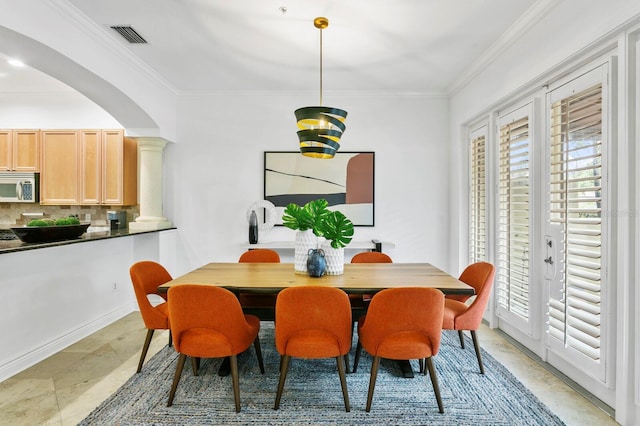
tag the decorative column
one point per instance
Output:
(150, 189)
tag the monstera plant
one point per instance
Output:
(313, 220)
(336, 228)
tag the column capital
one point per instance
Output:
(151, 143)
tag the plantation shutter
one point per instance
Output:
(575, 194)
(513, 233)
(477, 198)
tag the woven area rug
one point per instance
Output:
(312, 394)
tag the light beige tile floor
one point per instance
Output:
(66, 387)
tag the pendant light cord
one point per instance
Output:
(320, 66)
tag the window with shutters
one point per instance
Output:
(576, 196)
(513, 227)
(478, 196)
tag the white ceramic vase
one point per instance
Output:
(334, 258)
(305, 240)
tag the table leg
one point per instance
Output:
(225, 367)
(407, 371)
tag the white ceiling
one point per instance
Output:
(377, 45)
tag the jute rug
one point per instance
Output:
(313, 396)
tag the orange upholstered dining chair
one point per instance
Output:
(402, 324)
(261, 305)
(207, 322)
(459, 315)
(313, 322)
(371, 257)
(359, 302)
(260, 256)
(146, 276)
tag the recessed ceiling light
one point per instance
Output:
(16, 62)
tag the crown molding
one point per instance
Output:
(523, 24)
(104, 38)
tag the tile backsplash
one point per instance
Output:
(11, 213)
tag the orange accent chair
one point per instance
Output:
(359, 302)
(461, 316)
(261, 305)
(402, 324)
(146, 276)
(207, 322)
(313, 322)
(371, 257)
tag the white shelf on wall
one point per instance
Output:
(371, 245)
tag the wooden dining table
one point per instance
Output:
(363, 278)
(358, 278)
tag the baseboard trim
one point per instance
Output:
(43, 352)
(610, 411)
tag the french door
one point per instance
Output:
(576, 227)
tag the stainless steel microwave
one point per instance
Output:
(19, 187)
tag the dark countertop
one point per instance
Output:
(13, 246)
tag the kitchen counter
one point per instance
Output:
(12, 246)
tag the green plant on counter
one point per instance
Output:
(71, 220)
(315, 215)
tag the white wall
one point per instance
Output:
(58, 110)
(215, 171)
(53, 297)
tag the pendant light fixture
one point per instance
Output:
(320, 126)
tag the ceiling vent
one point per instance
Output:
(129, 34)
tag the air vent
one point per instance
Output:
(129, 34)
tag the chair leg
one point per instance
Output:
(476, 345)
(176, 378)
(461, 336)
(256, 345)
(434, 382)
(145, 348)
(170, 339)
(284, 362)
(372, 381)
(343, 383)
(421, 364)
(195, 365)
(236, 381)
(357, 357)
(346, 363)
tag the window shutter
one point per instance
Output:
(512, 275)
(477, 201)
(575, 194)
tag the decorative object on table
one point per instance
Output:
(346, 182)
(315, 220)
(337, 229)
(303, 221)
(316, 264)
(261, 227)
(46, 230)
(320, 126)
(253, 228)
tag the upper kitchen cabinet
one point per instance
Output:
(19, 150)
(60, 171)
(108, 163)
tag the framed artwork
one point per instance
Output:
(346, 181)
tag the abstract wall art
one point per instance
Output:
(346, 181)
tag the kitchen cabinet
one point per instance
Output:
(60, 168)
(19, 150)
(108, 164)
